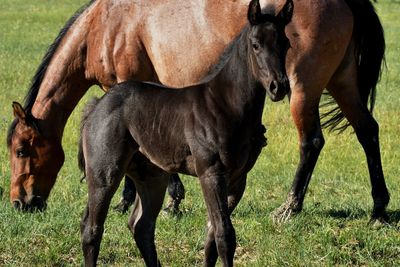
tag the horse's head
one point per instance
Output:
(268, 46)
(35, 162)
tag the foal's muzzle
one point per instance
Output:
(278, 89)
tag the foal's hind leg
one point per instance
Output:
(151, 183)
(345, 91)
(100, 194)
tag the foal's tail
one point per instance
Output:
(86, 112)
(370, 54)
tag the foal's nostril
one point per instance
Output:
(273, 88)
(17, 204)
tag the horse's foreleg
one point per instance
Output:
(304, 110)
(215, 193)
(151, 187)
(177, 192)
(128, 195)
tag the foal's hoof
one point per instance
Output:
(122, 206)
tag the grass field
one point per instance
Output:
(333, 230)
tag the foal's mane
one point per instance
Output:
(41, 71)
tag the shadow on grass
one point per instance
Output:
(394, 216)
(353, 213)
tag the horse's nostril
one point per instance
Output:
(17, 204)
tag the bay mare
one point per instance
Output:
(212, 131)
(335, 44)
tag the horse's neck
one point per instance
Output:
(63, 83)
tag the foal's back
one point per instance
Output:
(136, 116)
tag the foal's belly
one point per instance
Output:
(169, 162)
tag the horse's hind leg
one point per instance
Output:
(100, 193)
(345, 91)
(151, 184)
(304, 108)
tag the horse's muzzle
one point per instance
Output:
(34, 204)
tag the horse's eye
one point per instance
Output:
(21, 152)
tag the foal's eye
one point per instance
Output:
(256, 46)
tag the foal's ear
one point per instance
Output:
(286, 12)
(19, 112)
(254, 12)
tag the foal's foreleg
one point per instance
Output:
(304, 109)
(215, 193)
(235, 193)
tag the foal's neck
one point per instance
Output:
(235, 83)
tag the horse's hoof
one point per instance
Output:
(172, 209)
(122, 206)
(379, 219)
(286, 211)
(377, 223)
(282, 214)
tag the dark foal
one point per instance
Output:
(212, 131)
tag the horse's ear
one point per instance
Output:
(286, 12)
(254, 12)
(19, 112)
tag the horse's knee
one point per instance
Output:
(316, 143)
(367, 133)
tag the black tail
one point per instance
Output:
(86, 112)
(370, 54)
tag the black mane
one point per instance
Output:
(41, 71)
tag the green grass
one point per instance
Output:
(332, 230)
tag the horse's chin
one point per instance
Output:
(36, 204)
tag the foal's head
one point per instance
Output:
(269, 45)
